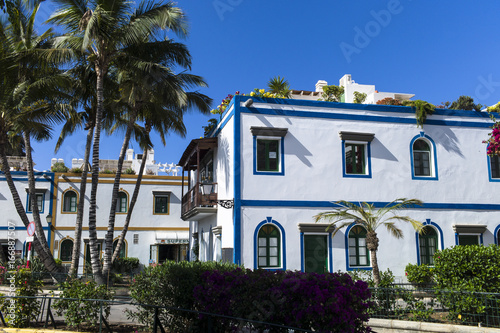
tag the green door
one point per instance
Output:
(316, 253)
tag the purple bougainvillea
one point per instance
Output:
(322, 302)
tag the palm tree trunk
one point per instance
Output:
(75, 259)
(114, 198)
(132, 204)
(46, 255)
(18, 203)
(372, 246)
(94, 250)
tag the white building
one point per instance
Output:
(372, 95)
(156, 232)
(282, 161)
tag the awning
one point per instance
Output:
(469, 228)
(173, 237)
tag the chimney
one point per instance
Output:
(53, 161)
(320, 84)
(345, 80)
(130, 154)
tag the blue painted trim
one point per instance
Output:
(303, 254)
(427, 138)
(481, 239)
(21, 228)
(237, 181)
(41, 210)
(356, 117)
(281, 172)
(218, 128)
(488, 160)
(269, 220)
(456, 238)
(348, 267)
(331, 204)
(495, 235)
(428, 222)
(368, 157)
(368, 107)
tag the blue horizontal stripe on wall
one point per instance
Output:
(381, 119)
(331, 204)
(368, 107)
(19, 227)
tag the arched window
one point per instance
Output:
(66, 250)
(422, 166)
(358, 253)
(123, 249)
(122, 202)
(428, 241)
(69, 202)
(269, 246)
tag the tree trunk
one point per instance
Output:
(372, 245)
(131, 208)
(114, 198)
(45, 255)
(19, 205)
(94, 250)
(75, 259)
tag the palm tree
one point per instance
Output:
(366, 215)
(107, 33)
(159, 98)
(28, 81)
(279, 86)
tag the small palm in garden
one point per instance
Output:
(366, 215)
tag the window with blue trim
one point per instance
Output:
(355, 159)
(269, 247)
(422, 158)
(39, 198)
(428, 242)
(358, 252)
(495, 166)
(268, 155)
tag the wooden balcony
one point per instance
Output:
(196, 206)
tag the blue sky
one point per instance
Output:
(436, 50)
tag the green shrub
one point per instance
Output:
(419, 275)
(171, 284)
(125, 265)
(462, 270)
(81, 310)
(129, 171)
(106, 172)
(386, 278)
(18, 312)
(59, 167)
(75, 170)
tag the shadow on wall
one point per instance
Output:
(379, 151)
(223, 150)
(448, 140)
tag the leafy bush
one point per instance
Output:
(18, 312)
(386, 278)
(125, 265)
(59, 167)
(106, 172)
(170, 284)
(81, 310)
(389, 101)
(76, 170)
(464, 270)
(129, 171)
(419, 275)
(322, 302)
(359, 98)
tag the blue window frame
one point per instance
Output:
(423, 158)
(269, 245)
(494, 168)
(268, 150)
(428, 243)
(357, 254)
(40, 199)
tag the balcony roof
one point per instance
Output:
(203, 146)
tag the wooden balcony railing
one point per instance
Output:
(194, 197)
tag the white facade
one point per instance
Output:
(350, 86)
(315, 169)
(156, 232)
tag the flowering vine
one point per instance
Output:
(494, 137)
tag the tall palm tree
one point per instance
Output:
(279, 86)
(366, 215)
(109, 31)
(159, 98)
(29, 100)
